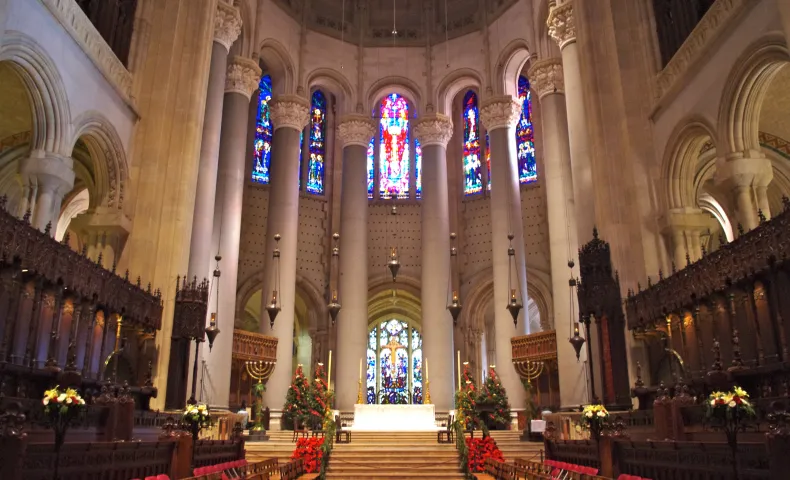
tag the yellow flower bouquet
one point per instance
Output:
(594, 418)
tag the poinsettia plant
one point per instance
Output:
(481, 449)
(310, 451)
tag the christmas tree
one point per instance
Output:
(494, 397)
(297, 400)
(320, 398)
(466, 402)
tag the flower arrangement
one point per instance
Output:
(480, 449)
(311, 452)
(594, 418)
(61, 408)
(733, 405)
(197, 415)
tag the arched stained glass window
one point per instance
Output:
(525, 136)
(488, 159)
(263, 133)
(394, 363)
(473, 175)
(418, 168)
(371, 169)
(394, 147)
(315, 169)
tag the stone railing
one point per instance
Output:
(535, 347)
(254, 346)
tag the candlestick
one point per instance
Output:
(459, 370)
(360, 369)
(426, 369)
(329, 373)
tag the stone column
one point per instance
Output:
(104, 231)
(742, 173)
(500, 115)
(354, 132)
(433, 132)
(547, 80)
(227, 27)
(562, 28)
(46, 178)
(242, 79)
(289, 115)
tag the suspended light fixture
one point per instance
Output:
(393, 264)
(274, 306)
(514, 306)
(212, 330)
(334, 304)
(455, 305)
(576, 340)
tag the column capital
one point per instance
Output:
(48, 170)
(104, 220)
(744, 169)
(227, 24)
(244, 75)
(546, 77)
(562, 24)
(434, 129)
(686, 219)
(500, 111)
(356, 129)
(292, 111)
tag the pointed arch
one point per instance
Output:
(49, 102)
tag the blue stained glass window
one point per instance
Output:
(525, 135)
(473, 175)
(488, 159)
(371, 170)
(315, 169)
(301, 163)
(394, 147)
(394, 376)
(263, 133)
(418, 168)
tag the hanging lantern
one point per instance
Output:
(274, 306)
(334, 308)
(514, 306)
(455, 305)
(334, 305)
(455, 308)
(393, 264)
(577, 341)
(212, 331)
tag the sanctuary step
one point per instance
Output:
(512, 447)
(280, 445)
(393, 455)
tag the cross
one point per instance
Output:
(393, 346)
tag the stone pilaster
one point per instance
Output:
(354, 133)
(499, 115)
(46, 178)
(242, 79)
(289, 115)
(433, 132)
(562, 27)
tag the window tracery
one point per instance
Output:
(394, 363)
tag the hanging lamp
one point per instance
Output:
(334, 304)
(455, 305)
(514, 306)
(576, 340)
(274, 306)
(212, 330)
(393, 264)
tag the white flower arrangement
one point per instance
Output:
(56, 399)
(197, 413)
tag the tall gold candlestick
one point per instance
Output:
(459, 369)
(329, 373)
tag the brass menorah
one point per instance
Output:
(529, 370)
(260, 371)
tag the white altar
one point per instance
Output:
(410, 418)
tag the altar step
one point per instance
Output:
(393, 455)
(509, 441)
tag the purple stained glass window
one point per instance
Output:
(263, 133)
(418, 168)
(473, 175)
(394, 147)
(525, 135)
(371, 169)
(315, 169)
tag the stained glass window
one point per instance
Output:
(371, 170)
(301, 163)
(394, 147)
(394, 363)
(488, 159)
(525, 136)
(418, 168)
(263, 133)
(473, 175)
(315, 169)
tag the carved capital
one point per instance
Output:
(436, 129)
(227, 25)
(356, 129)
(500, 111)
(244, 75)
(292, 111)
(562, 26)
(546, 77)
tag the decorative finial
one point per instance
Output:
(595, 233)
(761, 216)
(48, 228)
(688, 259)
(740, 229)
(660, 274)
(126, 275)
(785, 202)
(99, 259)
(674, 268)
(649, 281)
(704, 250)
(66, 238)
(26, 216)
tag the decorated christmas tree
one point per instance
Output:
(496, 411)
(466, 402)
(297, 400)
(320, 398)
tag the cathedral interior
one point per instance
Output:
(581, 202)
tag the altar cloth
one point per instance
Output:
(388, 418)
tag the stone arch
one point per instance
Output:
(744, 92)
(110, 165)
(509, 66)
(246, 39)
(400, 85)
(279, 64)
(335, 82)
(47, 94)
(382, 283)
(452, 84)
(680, 166)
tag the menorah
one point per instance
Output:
(259, 370)
(529, 370)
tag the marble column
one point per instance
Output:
(433, 132)
(227, 27)
(562, 28)
(354, 132)
(547, 80)
(743, 173)
(499, 115)
(242, 79)
(46, 178)
(289, 116)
